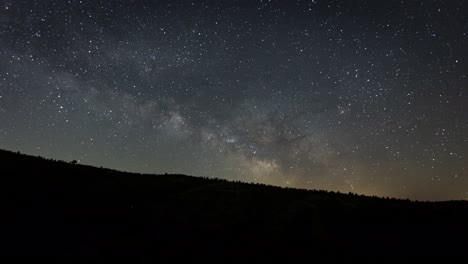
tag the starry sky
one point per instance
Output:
(362, 96)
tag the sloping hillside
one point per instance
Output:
(65, 210)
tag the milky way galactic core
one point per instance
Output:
(368, 97)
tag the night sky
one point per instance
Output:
(368, 97)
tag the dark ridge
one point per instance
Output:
(79, 213)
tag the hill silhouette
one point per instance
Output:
(82, 213)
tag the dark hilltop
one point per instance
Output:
(82, 213)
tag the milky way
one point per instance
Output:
(368, 97)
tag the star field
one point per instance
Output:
(363, 96)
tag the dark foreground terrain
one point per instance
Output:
(77, 213)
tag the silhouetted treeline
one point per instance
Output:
(82, 213)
